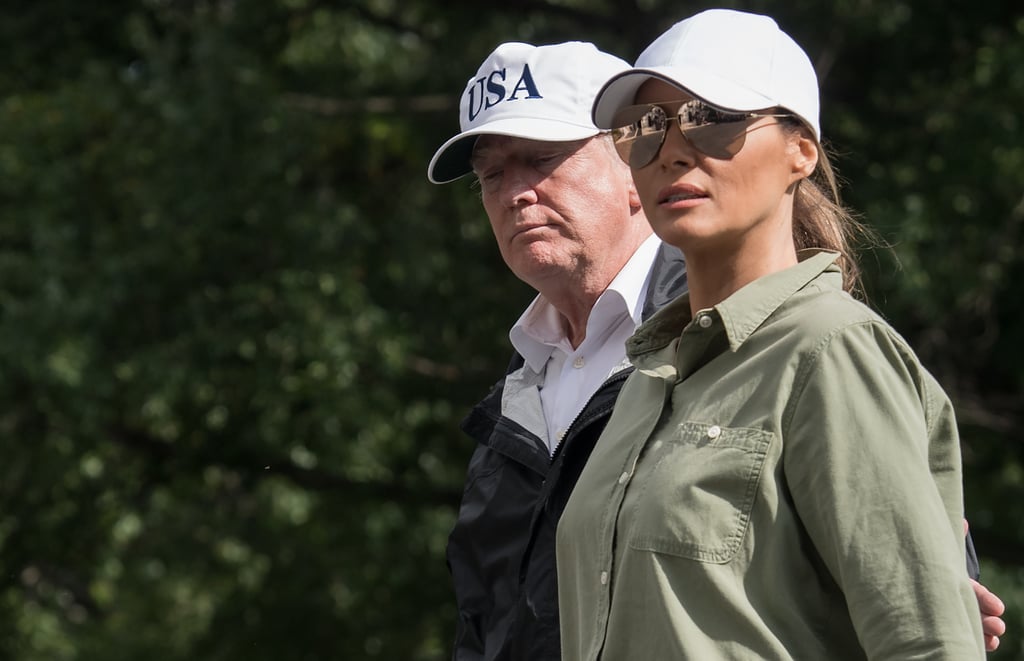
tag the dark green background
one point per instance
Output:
(238, 328)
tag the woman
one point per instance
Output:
(781, 477)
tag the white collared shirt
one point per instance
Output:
(572, 376)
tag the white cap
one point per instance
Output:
(524, 91)
(730, 59)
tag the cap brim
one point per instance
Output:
(620, 91)
(452, 159)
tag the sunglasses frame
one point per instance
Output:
(708, 129)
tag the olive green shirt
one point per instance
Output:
(780, 480)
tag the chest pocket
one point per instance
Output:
(697, 486)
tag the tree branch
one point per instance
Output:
(329, 107)
(315, 479)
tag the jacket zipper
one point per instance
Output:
(618, 376)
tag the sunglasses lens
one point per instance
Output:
(642, 129)
(622, 138)
(641, 132)
(721, 141)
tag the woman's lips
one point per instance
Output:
(683, 194)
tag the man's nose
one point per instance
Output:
(518, 186)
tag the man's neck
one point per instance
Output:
(574, 295)
(574, 307)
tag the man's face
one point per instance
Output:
(559, 210)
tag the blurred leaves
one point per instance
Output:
(238, 328)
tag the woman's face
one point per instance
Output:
(711, 205)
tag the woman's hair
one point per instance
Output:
(821, 221)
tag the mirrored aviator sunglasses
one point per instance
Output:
(716, 133)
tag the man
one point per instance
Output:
(568, 222)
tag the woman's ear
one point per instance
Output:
(804, 151)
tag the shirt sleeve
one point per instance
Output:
(872, 461)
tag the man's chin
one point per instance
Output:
(537, 264)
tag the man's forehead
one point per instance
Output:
(490, 145)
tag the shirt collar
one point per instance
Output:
(539, 330)
(746, 309)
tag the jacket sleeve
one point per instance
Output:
(973, 567)
(469, 645)
(471, 592)
(873, 464)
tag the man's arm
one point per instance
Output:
(990, 605)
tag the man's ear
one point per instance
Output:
(634, 197)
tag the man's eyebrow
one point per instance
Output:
(479, 155)
(476, 157)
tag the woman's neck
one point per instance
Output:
(713, 276)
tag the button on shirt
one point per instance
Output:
(571, 376)
(780, 479)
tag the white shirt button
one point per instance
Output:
(579, 362)
(714, 431)
(704, 321)
(624, 477)
(604, 578)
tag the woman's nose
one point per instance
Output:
(676, 149)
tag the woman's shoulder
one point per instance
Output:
(825, 314)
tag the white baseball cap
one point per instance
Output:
(730, 59)
(524, 91)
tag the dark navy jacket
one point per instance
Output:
(501, 552)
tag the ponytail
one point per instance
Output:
(821, 221)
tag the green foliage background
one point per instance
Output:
(238, 328)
